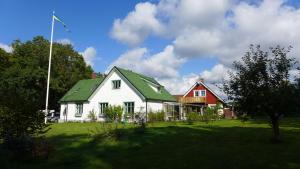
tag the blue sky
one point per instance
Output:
(198, 35)
(90, 23)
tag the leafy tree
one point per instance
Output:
(23, 79)
(260, 84)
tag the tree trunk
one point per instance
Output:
(275, 127)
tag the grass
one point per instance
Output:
(167, 145)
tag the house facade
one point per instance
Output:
(197, 98)
(135, 92)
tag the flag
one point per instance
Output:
(59, 20)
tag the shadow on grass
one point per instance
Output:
(284, 122)
(174, 147)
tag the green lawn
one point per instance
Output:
(227, 144)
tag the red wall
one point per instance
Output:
(210, 98)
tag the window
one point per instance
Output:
(116, 84)
(203, 93)
(199, 93)
(196, 93)
(129, 107)
(102, 107)
(79, 110)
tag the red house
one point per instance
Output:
(197, 98)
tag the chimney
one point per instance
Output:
(201, 80)
(93, 75)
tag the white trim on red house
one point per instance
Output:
(205, 93)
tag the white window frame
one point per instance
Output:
(115, 84)
(199, 93)
(127, 107)
(102, 106)
(79, 109)
(195, 93)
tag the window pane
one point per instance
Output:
(79, 109)
(129, 107)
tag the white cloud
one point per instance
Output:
(161, 65)
(223, 29)
(212, 78)
(137, 25)
(89, 55)
(294, 74)
(217, 74)
(7, 48)
(181, 84)
(65, 41)
(199, 28)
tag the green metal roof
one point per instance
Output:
(82, 90)
(140, 83)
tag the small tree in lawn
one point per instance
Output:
(260, 84)
(113, 113)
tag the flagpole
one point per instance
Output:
(49, 68)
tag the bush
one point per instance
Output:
(192, 117)
(211, 113)
(243, 117)
(18, 129)
(157, 116)
(107, 132)
(113, 113)
(92, 116)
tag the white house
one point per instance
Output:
(135, 92)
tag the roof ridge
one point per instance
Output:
(141, 75)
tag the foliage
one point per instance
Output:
(244, 117)
(211, 113)
(15, 126)
(74, 148)
(113, 113)
(129, 116)
(156, 116)
(261, 84)
(23, 78)
(107, 132)
(141, 128)
(192, 117)
(92, 116)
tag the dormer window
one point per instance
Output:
(159, 89)
(116, 84)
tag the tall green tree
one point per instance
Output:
(260, 84)
(23, 79)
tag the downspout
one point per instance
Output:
(146, 111)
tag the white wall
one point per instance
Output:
(105, 93)
(154, 106)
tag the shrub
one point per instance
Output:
(18, 129)
(243, 117)
(92, 116)
(192, 117)
(113, 113)
(141, 128)
(157, 116)
(211, 113)
(107, 132)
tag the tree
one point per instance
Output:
(23, 79)
(260, 84)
